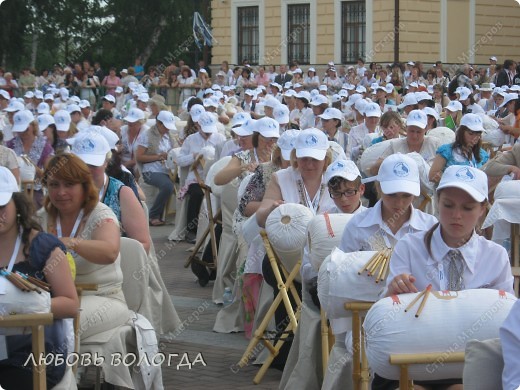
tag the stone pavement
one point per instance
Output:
(193, 303)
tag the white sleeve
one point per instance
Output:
(142, 140)
(510, 339)
(185, 157)
(350, 242)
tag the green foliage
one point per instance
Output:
(113, 32)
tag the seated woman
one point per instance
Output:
(132, 219)
(466, 150)
(24, 248)
(302, 183)
(90, 231)
(344, 182)
(451, 255)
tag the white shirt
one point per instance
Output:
(192, 146)
(355, 140)
(510, 339)
(164, 147)
(428, 148)
(307, 271)
(130, 148)
(476, 109)
(486, 264)
(366, 231)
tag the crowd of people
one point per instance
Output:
(412, 153)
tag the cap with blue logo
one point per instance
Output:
(469, 179)
(342, 168)
(399, 173)
(312, 143)
(286, 143)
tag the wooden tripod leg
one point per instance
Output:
(289, 278)
(324, 341)
(261, 372)
(281, 285)
(213, 237)
(259, 332)
(365, 375)
(356, 343)
(198, 245)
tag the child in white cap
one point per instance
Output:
(451, 255)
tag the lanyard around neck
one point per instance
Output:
(15, 252)
(74, 228)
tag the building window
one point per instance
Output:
(353, 30)
(248, 36)
(298, 33)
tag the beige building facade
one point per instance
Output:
(316, 32)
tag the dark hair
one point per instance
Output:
(101, 115)
(336, 182)
(459, 143)
(255, 139)
(25, 210)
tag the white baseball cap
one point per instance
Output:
(508, 97)
(271, 101)
(196, 111)
(423, 95)
(430, 111)
(318, 100)
(90, 146)
(8, 185)
(43, 108)
(45, 120)
(417, 118)
(111, 137)
(389, 87)
(454, 106)
(323, 87)
(342, 168)
(62, 119)
(469, 179)
(29, 95)
(22, 119)
(290, 93)
(413, 84)
(267, 127)
(361, 89)
(409, 100)
(312, 143)
(48, 96)
(239, 118)
(134, 114)
(109, 98)
(353, 99)
(331, 113)
(399, 173)
(167, 119)
(118, 90)
(286, 143)
(464, 93)
(84, 104)
(124, 71)
(372, 110)
(144, 97)
(281, 113)
(4, 94)
(210, 102)
(276, 85)
(473, 122)
(73, 108)
(14, 106)
(493, 58)
(305, 95)
(208, 123)
(411, 63)
(246, 129)
(74, 99)
(360, 105)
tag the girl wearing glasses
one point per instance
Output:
(466, 150)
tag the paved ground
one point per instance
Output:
(220, 352)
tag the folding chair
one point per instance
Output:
(210, 230)
(404, 360)
(282, 296)
(327, 340)
(360, 369)
(36, 322)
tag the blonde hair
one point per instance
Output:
(327, 159)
